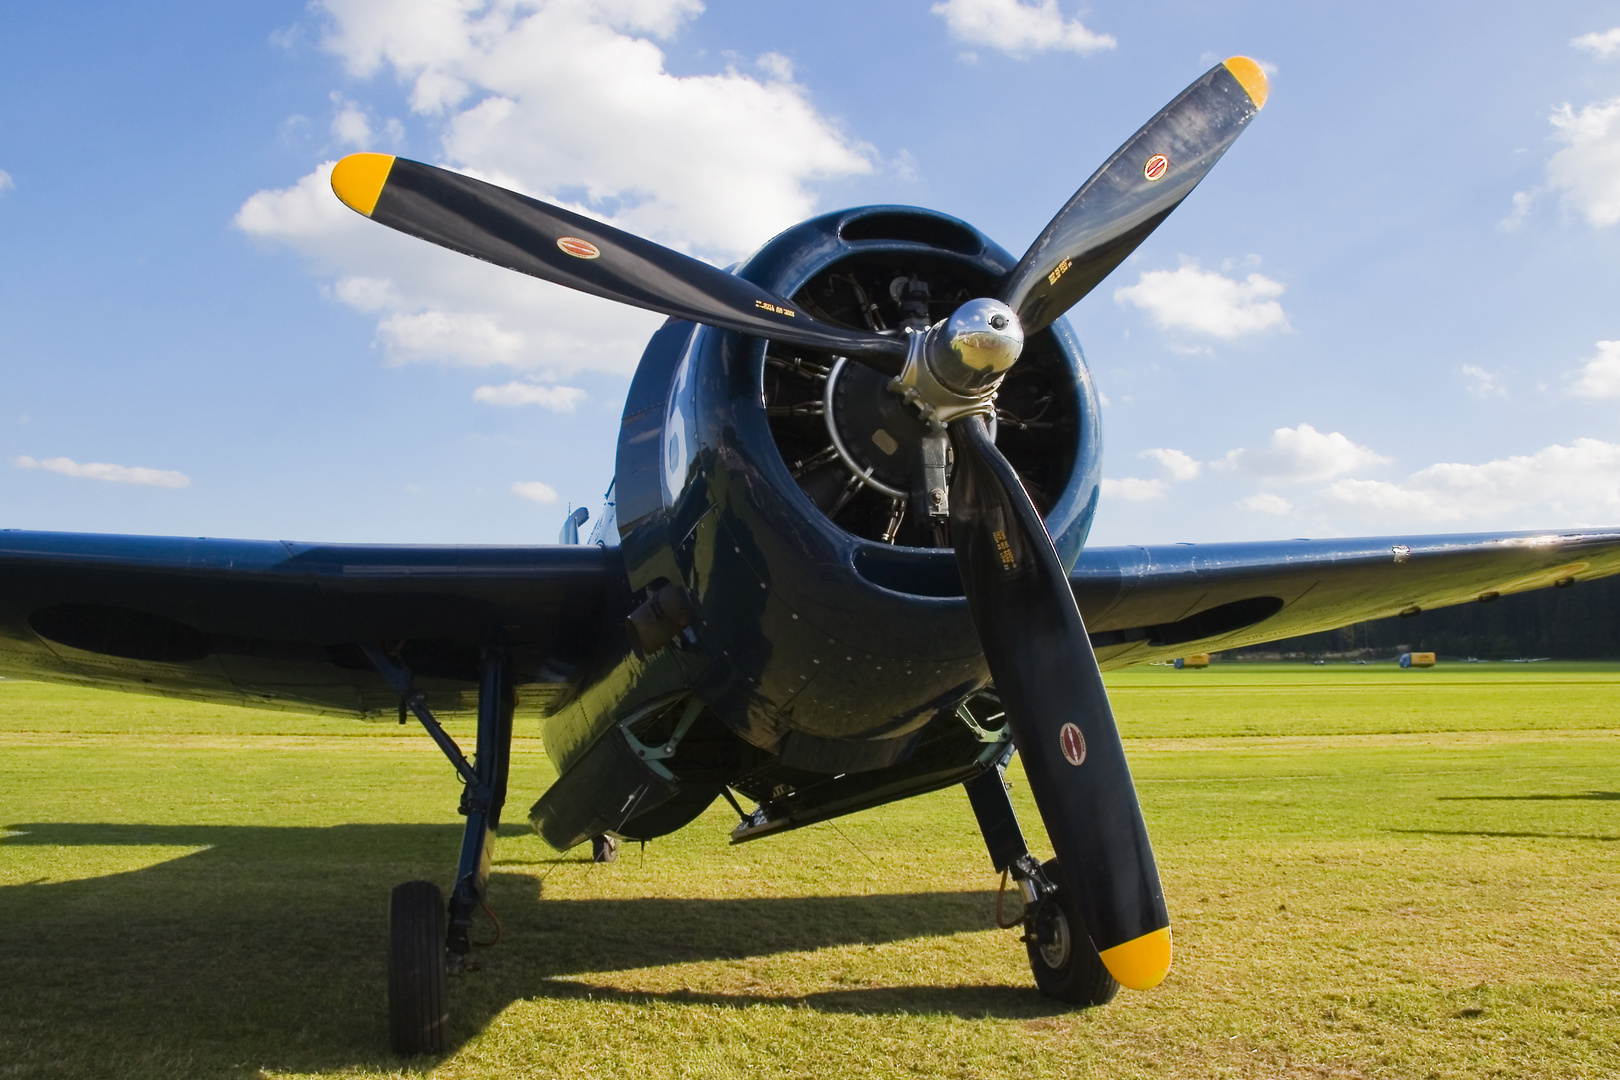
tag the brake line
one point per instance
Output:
(496, 940)
(1001, 892)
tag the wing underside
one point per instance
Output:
(1151, 603)
(280, 625)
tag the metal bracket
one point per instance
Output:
(931, 483)
(694, 709)
(415, 701)
(922, 389)
(980, 732)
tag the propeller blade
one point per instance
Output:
(548, 242)
(1052, 689)
(1125, 200)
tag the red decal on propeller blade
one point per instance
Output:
(579, 249)
(1156, 166)
(1073, 744)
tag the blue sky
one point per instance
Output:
(1393, 307)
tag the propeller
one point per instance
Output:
(548, 242)
(1052, 690)
(1018, 593)
(1125, 200)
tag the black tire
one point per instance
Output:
(418, 1009)
(1065, 963)
(604, 848)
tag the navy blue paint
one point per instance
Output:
(482, 801)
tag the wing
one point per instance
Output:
(280, 625)
(1148, 603)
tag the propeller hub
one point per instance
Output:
(970, 351)
(954, 367)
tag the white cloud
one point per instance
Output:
(1018, 28)
(1578, 484)
(306, 211)
(568, 101)
(350, 126)
(1132, 489)
(1523, 201)
(469, 337)
(776, 67)
(573, 97)
(6, 182)
(534, 491)
(1587, 170)
(1599, 377)
(367, 294)
(1177, 464)
(114, 474)
(1380, 498)
(1300, 455)
(556, 398)
(1605, 43)
(1483, 383)
(1267, 502)
(1206, 301)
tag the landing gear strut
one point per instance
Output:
(428, 940)
(1065, 963)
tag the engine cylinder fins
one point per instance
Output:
(875, 433)
(852, 444)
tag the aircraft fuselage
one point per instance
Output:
(809, 637)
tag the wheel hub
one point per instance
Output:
(1052, 929)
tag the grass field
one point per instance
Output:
(1372, 873)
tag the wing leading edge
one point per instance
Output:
(1148, 603)
(279, 625)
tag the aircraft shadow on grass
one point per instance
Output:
(1505, 834)
(289, 922)
(1596, 796)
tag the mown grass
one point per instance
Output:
(1372, 872)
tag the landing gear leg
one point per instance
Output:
(482, 801)
(427, 941)
(1065, 963)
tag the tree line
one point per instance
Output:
(1581, 622)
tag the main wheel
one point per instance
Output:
(1065, 963)
(418, 1011)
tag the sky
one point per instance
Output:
(1393, 307)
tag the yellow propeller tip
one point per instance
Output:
(359, 178)
(1141, 963)
(1251, 78)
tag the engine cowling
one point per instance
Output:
(770, 483)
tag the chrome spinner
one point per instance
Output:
(954, 367)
